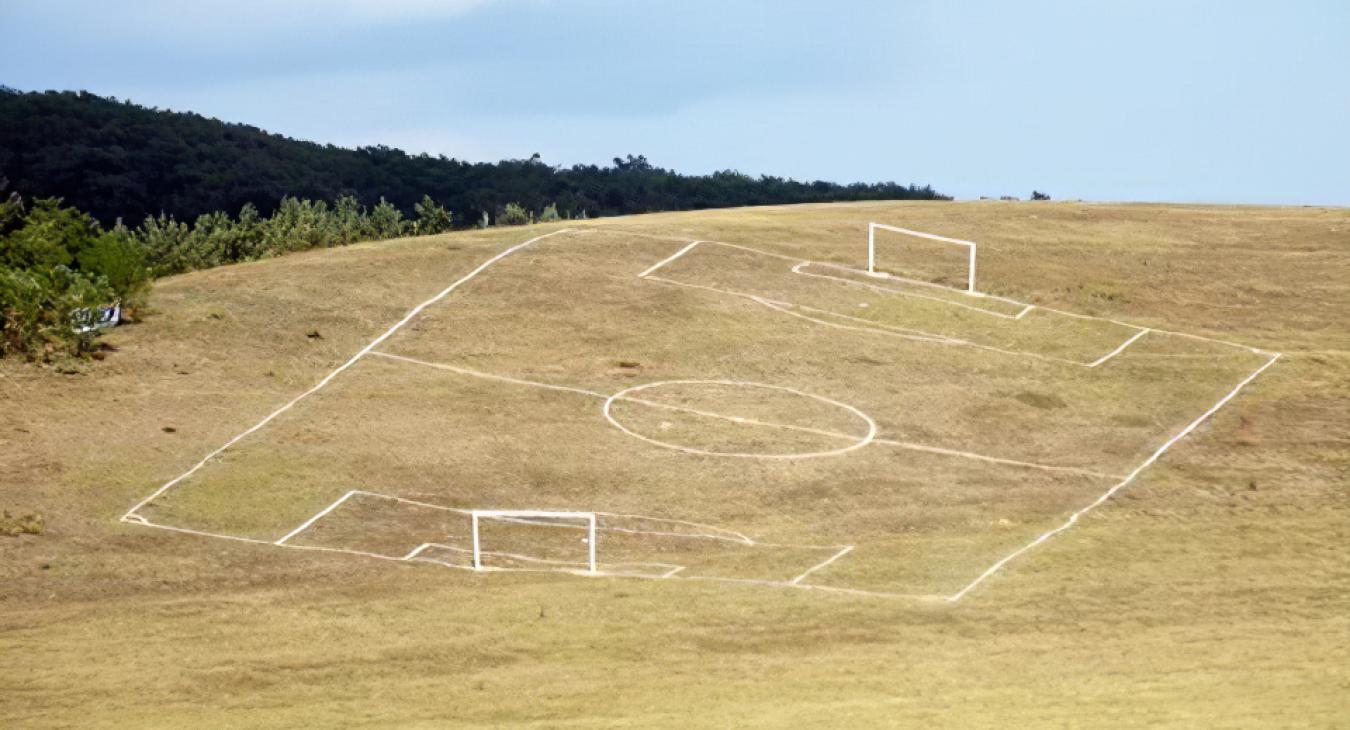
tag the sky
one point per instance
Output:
(1184, 101)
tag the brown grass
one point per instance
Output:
(1212, 592)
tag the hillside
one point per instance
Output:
(1209, 591)
(116, 159)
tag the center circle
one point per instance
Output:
(632, 395)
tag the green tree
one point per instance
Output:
(38, 310)
(169, 244)
(49, 235)
(386, 221)
(122, 262)
(349, 223)
(432, 217)
(513, 215)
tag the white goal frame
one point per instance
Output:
(526, 514)
(872, 227)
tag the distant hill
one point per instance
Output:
(117, 159)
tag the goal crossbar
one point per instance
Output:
(588, 517)
(872, 248)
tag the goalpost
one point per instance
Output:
(531, 516)
(872, 250)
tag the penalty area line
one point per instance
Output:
(305, 525)
(847, 549)
(1119, 349)
(669, 259)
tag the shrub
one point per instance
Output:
(386, 220)
(348, 222)
(38, 307)
(47, 235)
(169, 245)
(549, 213)
(514, 215)
(242, 240)
(432, 217)
(297, 225)
(122, 262)
(24, 524)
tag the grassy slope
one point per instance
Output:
(1214, 591)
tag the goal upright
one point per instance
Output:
(873, 227)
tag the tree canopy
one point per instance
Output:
(116, 159)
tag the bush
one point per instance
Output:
(549, 213)
(432, 217)
(25, 524)
(514, 215)
(386, 221)
(348, 222)
(297, 225)
(38, 308)
(170, 245)
(55, 264)
(122, 262)
(47, 235)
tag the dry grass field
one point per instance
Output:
(816, 460)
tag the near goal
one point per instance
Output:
(545, 549)
(929, 264)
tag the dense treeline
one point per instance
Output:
(59, 267)
(115, 159)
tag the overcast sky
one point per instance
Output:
(1170, 100)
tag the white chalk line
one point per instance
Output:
(668, 259)
(1073, 518)
(880, 328)
(328, 378)
(890, 290)
(872, 327)
(416, 557)
(859, 442)
(885, 329)
(304, 525)
(670, 567)
(963, 292)
(876, 328)
(725, 534)
(489, 376)
(1125, 481)
(1118, 350)
(997, 460)
(1027, 306)
(133, 518)
(737, 419)
(821, 564)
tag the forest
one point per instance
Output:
(119, 160)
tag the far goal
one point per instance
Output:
(538, 537)
(919, 257)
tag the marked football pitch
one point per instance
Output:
(673, 409)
